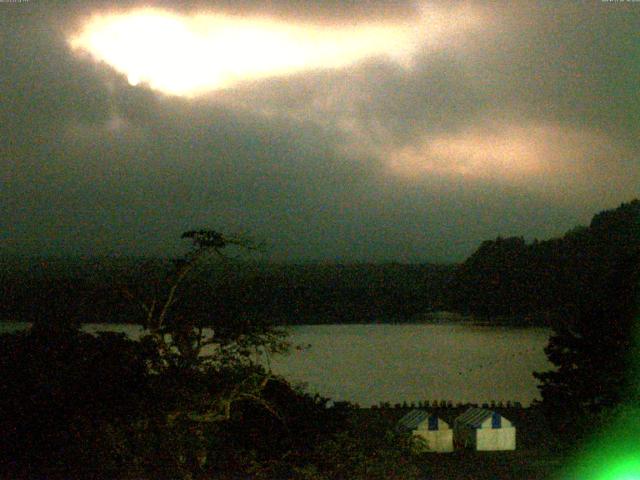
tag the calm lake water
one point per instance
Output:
(368, 364)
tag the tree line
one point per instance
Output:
(288, 294)
(549, 281)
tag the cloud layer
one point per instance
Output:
(526, 123)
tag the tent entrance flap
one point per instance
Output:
(495, 420)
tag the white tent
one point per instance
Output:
(436, 435)
(482, 429)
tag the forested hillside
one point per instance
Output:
(549, 279)
(106, 289)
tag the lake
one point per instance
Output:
(368, 364)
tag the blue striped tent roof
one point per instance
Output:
(415, 418)
(475, 417)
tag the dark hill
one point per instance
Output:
(95, 290)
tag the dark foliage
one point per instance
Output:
(594, 347)
(79, 406)
(180, 403)
(68, 400)
(92, 290)
(552, 279)
(494, 280)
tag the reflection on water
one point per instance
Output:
(368, 364)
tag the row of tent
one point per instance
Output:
(477, 428)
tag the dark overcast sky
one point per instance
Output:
(518, 118)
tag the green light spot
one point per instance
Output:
(614, 453)
(625, 470)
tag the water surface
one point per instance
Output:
(368, 364)
(389, 362)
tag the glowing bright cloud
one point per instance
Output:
(188, 55)
(504, 152)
